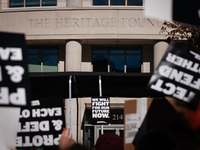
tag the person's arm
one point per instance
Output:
(66, 140)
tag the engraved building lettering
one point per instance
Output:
(93, 22)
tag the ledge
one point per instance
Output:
(54, 8)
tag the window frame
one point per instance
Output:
(33, 6)
(125, 48)
(42, 54)
(143, 2)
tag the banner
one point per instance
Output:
(100, 110)
(178, 73)
(41, 124)
(187, 11)
(14, 79)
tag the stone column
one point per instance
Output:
(61, 3)
(73, 55)
(74, 3)
(159, 50)
(3, 4)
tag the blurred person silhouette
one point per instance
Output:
(77, 146)
(156, 139)
(109, 141)
(167, 129)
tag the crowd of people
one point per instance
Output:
(106, 141)
(179, 129)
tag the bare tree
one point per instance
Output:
(178, 31)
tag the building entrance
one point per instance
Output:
(92, 132)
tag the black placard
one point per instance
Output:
(187, 11)
(100, 110)
(41, 124)
(161, 115)
(178, 73)
(14, 79)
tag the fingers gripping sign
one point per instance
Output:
(66, 140)
(15, 73)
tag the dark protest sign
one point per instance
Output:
(14, 80)
(187, 11)
(178, 73)
(100, 110)
(41, 124)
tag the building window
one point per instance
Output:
(117, 2)
(16, 3)
(43, 60)
(100, 2)
(32, 3)
(116, 59)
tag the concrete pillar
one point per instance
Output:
(73, 55)
(61, 3)
(4, 4)
(159, 50)
(75, 3)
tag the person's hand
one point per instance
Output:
(66, 140)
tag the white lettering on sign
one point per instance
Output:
(17, 98)
(179, 76)
(19, 141)
(15, 73)
(35, 103)
(171, 89)
(57, 124)
(182, 62)
(95, 99)
(15, 54)
(100, 116)
(27, 142)
(100, 108)
(48, 140)
(34, 126)
(56, 140)
(26, 113)
(44, 112)
(101, 111)
(100, 103)
(37, 141)
(197, 56)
